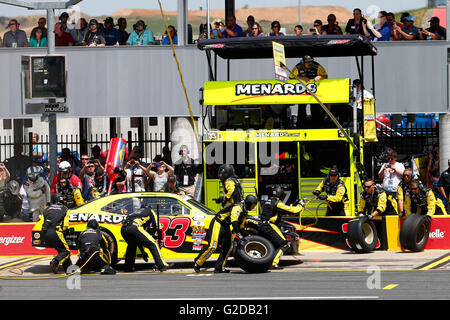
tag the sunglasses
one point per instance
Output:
(391, 158)
(414, 188)
(368, 187)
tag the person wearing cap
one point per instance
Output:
(250, 22)
(435, 31)
(360, 94)
(122, 24)
(171, 186)
(63, 20)
(408, 32)
(173, 35)
(94, 38)
(141, 36)
(62, 38)
(112, 35)
(79, 35)
(14, 37)
(335, 194)
(444, 185)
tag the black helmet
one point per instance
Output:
(279, 193)
(250, 201)
(93, 224)
(225, 171)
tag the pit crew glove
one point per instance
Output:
(322, 197)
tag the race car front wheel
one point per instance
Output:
(254, 254)
(362, 234)
(414, 232)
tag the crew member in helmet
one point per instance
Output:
(65, 170)
(93, 247)
(271, 215)
(220, 228)
(375, 202)
(37, 192)
(134, 233)
(67, 194)
(336, 194)
(423, 201)
(56, 221)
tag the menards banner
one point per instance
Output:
(275, 92)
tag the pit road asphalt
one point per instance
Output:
(379, 275)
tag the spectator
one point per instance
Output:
(119, 181)
(63, 20)
(172, 186)
(231, 29)
(435, 31)
(112, 35)
(42, 22)
(298, 30)
(360, 93)
(94, 38)
(317, 28)
(5, 176)
(444, 185)
(136, 175)
(433, 166)
(79, 35)
(62, 38)
(332, 27)
(204, 31)
(391, 173)
(256, 31)
(18, 164)
(173, 35)
(354, 26)
(38, 153)
(159, 177)
(383, 30)
(97, 155)
(37, 38)
(122, 24)
(275, 26)
(250, 23)
(67, 155)
(14, 37)
(408, 32)
(390, 18)
(186, 171)
(166, 156)
(87, 177)
(141, 36)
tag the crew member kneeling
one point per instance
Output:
(374, 201)
(56, 221)
(271, 213)
(90, 244)
(423, 201)
(336, 194)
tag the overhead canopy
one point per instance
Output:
(294, 46)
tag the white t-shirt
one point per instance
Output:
(139, 180)
(391, 179)
(160, 181)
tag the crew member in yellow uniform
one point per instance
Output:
(68, 194)
(423, 201)
(374, 201)
(56, 221)
(336, 194)
(219, 231)
(402, 191)
(134, 233)
(271, 213)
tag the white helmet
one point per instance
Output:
(64, 166)
(33, 173)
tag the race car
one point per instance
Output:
(184, 224)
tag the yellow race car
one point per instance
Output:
(183, 221)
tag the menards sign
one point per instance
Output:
(256, 92)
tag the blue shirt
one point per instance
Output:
(385, 33)
(142, 39)
(414, 31)
(112, 36)
(236, 29)
(166, 40)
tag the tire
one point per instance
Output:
(254, 254)
(362, 235)
(414, 232)
(112, 246)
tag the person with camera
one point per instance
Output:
(161, 176)
(391, 173)
(87, 176)
(408, 32)
(136, 175)
(381, 32)
(354, 26)
(231, 29)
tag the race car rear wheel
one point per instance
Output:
(414, 232)
(112, 246)
(362, 234)
(254, 254)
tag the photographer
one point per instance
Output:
(354, 26)
(136, 175)
(391, 173)
(87, 176)
(160, 177)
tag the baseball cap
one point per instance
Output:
(172, 179)
(410, 18)
(93, 21)
(434, 19)
(308, 59)
(109, 20)
(334, 172)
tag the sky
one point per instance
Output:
(106, 7)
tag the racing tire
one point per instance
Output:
(414, 232)
(112, 246)
(254, 254)
(362, 235)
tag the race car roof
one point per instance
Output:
(294, 46)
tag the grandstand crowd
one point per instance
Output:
(95, 33)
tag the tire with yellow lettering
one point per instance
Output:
(254, 254)
(362, 234)
(112, 246)
(414, 232)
